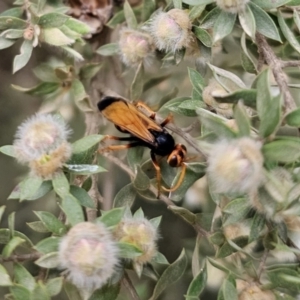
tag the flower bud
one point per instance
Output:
(140, 233)
(135, 46)
(235, 166)
(232, 6)
(41, 143)
(251, 291)
(89, 255)
(214, 88)
(171, 30)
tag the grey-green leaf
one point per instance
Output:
(22, 59)
(223, 25)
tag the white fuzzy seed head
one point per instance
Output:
(171, 30)
(41, 143)
(89, 255)
(135, 46)
(232, 6)
(140, 233)
(235, 166)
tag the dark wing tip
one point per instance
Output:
(106, 101)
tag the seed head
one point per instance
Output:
(89, 255)
(171, 30)
(135, 46)
(235, 166)
(41, 143)
(232, 6)
(140, 233)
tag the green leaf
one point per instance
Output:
(264, 23)
(23, 277)
(135, 156)
(155, 221)
(22, 59)
(54, 286)
(197, 80)
(288, 33)
(292, 119)
(285, 278)
(141, 181)
(257, 226)
(223, 25)
(71, 291)
(11, 246)
(88, 71)
(128, 251)
(8, 150)
(247, 61)
(72, 53)
(130, 16)
(13, 12)
(72, 209)
(82, 196)
(86, 143)
(85, 169)
(214, 123)
(51, 222)
(172, 274)
(237, 210)
(38, 226)
(242, 119)
(52, 20)
(197, 2)
(247, 21)
(61, 184)
(177, 4)
(269, 4)
(6, 43)
(4, 277)
(228, 291)
(159, 258)
(12, 33)
(248, 97)
(203, 36)
(40, 292)
(29, 187)
(174, 105)
(107, 292)
(77, 26)
(137, 84)
(285, 150)
(55, 37)
(48, 261)
(8, 22)
(210, 19)
(80, 96)
(41, 89)
(112, 217)
(2, 209)
(19, 292)
(197, 285)
(217, 265)
(48, 245)
(117, 19)
(147, 9)
(268, 107)
(196, 12)
(125, 196)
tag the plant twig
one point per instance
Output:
(126, 281)
(262, 264)
(96, 197)
(276, 66)
(290, 63)
(21, 257)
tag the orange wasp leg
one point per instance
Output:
(119, 147)
(142, 106)
(179, 182)
(158, 174)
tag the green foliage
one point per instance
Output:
(227, 80)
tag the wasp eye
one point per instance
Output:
(173, 161)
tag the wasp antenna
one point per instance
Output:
(177, 185)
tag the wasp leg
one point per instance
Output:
(117, 138)
(120, 147)
(158, 174)
(168, 119)
(177, 185)
(144, 107)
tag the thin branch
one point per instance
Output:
(96, 197)
(290, 63)
(21, 257)
(276, 66)
(126, 281)
(262, 264)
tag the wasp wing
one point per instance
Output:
(128, 118)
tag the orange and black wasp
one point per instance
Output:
(144, 131)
